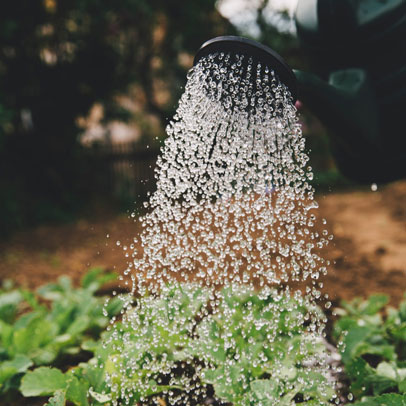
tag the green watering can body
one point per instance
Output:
(358, 52)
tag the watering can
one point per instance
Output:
(358, 90)
(358, 50)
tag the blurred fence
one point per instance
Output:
(125, 170)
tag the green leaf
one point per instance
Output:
(77, 391)
(402, 386)
(32, 300)
(20, 363)
(37, 333)
(359, 372)
(402, 309)
(63, 340)
(96, 278)
(386, 351)
(7, 371)
(51, 292)
(63, 313)
(388, 399)
(44, 356)
(359, 308)
(58, 399)
(265, 389)
(72, 350)
(398, 331)
(374, 304)
(213, 375)
(43, 381)
(315, 385)
(95, 376)
(114, 305)
(6, 334)
(89, 345)
(91, 277)
(65, 283)
(78, 326)
(380, 384)
(354, 338)
(100, 397)
(9, 302)
(100, 322)
(386, 370)
(10, 298)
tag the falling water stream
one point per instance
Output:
(234, 205)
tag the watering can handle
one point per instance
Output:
(346, 104)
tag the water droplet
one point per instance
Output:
(233, 206)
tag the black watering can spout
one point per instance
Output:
(259, 53)
(362, 109)
(345, 103)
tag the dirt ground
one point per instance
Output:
(367, 254)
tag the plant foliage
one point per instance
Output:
(161, 345)
(374, 350)
(54, 323)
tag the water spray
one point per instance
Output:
(233, 216)
(252, 49)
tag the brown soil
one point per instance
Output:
(367, 254)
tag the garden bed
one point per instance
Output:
(54, 344)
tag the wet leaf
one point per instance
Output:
(43, 381)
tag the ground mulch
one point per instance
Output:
(367, 254)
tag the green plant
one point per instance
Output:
(373, 348)
(258, 354)
(151, 342)
(128, 357)
(245, 347)
(53, 324)
(249, 348)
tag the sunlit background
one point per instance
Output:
(244, 13)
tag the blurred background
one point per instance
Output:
(86, 90)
